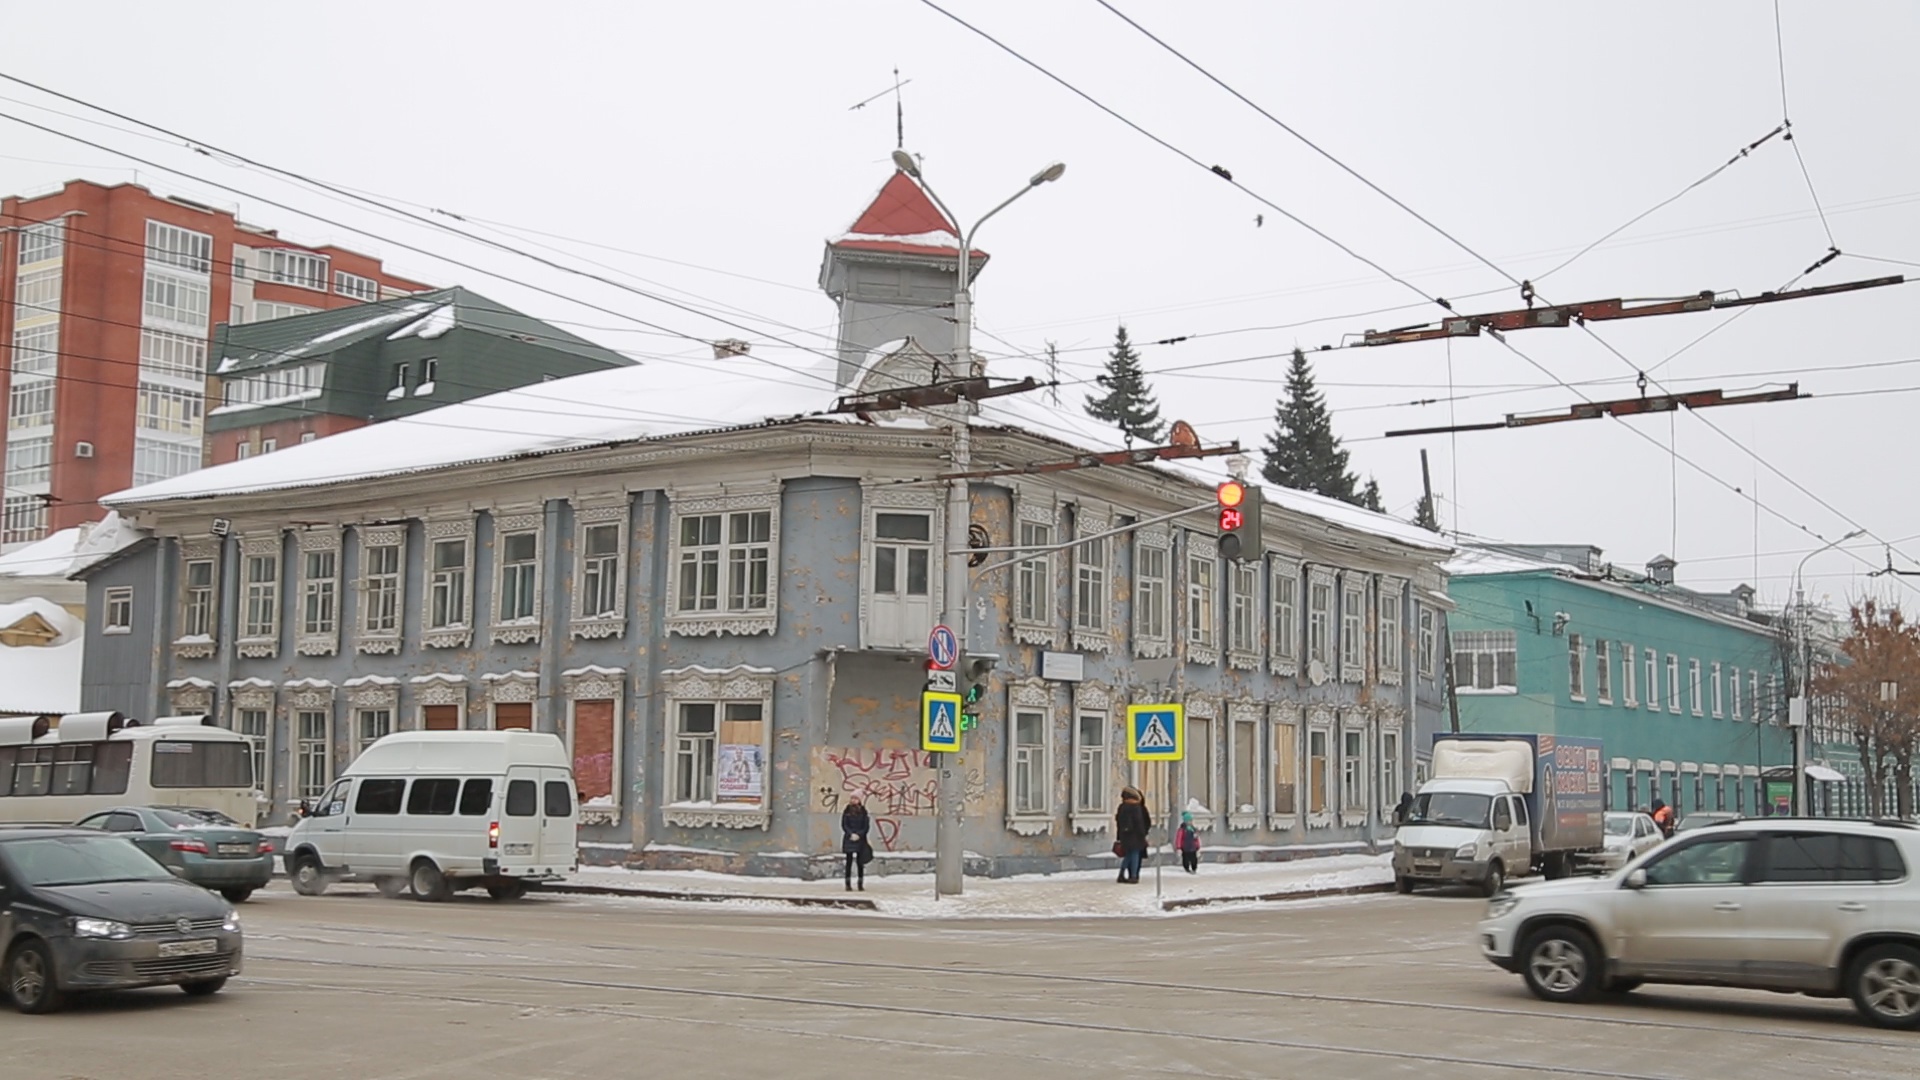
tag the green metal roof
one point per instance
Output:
(252, 346)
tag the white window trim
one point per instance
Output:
(587, 516)
(1629, 676)
(1427, 618)
(118, 594)
(1154, 646)
(1351, 582)
(380, 641)
(255, 695)
(259, 646)
(318, 644)
(1391, 635)
(198, 549)
(1392, 722)
(457, 635)
(600, 684)
(517, 522)
(1204, 707)
(1652, 670)
(303, 696)
(1093, 699)
(1203, 550)
(1696, 696)
(370, 693)
(1603, 670)
(1459, 647)
(1320, 718)
(1673, 684)
(1036, 507)
(1032, 695)
(729, 499)
(1244, 593)
(1089, 519)
(1576, 667)
(1243, 815)
(439, 688)
(736, 684)
(1734, 704)
(1320, 666)
(513, 688)
(880, 497)
(1283, 650)
(1353, 720)
(1283, 721)
(1719, 693)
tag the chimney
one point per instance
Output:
(1660, 570)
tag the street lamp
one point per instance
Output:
(1804, 626)
(948, 866)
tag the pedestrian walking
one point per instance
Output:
(1188, 841)
(1131, 824)
(854, 824)
(1663, 817)
(1403, 812)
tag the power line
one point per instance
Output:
(1786, 120)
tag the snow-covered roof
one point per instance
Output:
(70, 551)
(1470, 561)
(902, 220)
(660, 400)
(41, 679)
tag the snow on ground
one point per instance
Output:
(1075, 894)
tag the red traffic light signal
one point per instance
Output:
(1231, 495)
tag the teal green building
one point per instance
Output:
(1686, 690)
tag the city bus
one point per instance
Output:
(88, 762)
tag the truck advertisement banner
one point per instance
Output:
(1569, 792)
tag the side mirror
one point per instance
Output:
(1637, 879)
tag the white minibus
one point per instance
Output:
(435, 812)
(96, 761)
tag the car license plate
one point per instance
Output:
(519, 849)
(189, 948)
(235, 849)
(1426, 867)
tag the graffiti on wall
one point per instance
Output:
(894, 782)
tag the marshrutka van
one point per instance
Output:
(434, 812)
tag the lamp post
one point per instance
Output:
(1804, 631)
(948, 863)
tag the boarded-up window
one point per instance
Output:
(593, 749)
(441, 717)
(513, 714)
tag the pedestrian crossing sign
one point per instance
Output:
(1156, 732)
(940, 722)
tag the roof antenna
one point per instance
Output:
(899, 114)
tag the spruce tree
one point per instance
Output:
(1302, 453)
(1128, 401)
(1425, 516)
(1370, 498)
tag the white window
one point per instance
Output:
(1243, 773)
(172, 245)
(36, 349)
(1285, 739)
(1353, 621)
(1283, 633)
(1243, 613)
(1718, 704)
(175, 300)
(1353, 770)
(447, 584)
(429, 371)
(1772, 714)
(1151, 596)
(602, 582)
(380, 571)
(1673, 683)
(1319, 618)
(1694, 695)
(1603, 670)
(196, 605)
(178, 356)
(37, 292)
(1197, 766)
(29, 460)
(1753, 695)
(1576, 668)
(1629, 671)
(1028, 768)
(170, 410)
(319, 593)
(253, 723)
(276, 385)
(1485, 661)
(243, 451)
(400, 375)
(289, 267)
(1429, 640)
(725, 562)
(30, 401)
(1390, 775)
(1200, 598)
(161, 458)
(1319, 770)
(717, 755)
(1389, 644)
(1090, 763)
(1653, 680)
(268, 309)
(1033, 578)
(262, 616)
(119, 610)
(1733, 685)
(519, 589)
(1090, 587)
(41, 242)
(372, 725)
(25, 519)
(313, 736)
(268, 446)
(900, 604)
(306, 436)
(355, 286)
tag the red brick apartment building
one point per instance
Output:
(108, 297)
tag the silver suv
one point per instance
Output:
(1824, 907)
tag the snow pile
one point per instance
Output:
(70, 551)
(41, 679)
(437, 322)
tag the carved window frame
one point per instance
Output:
(326, 641)
(512, 688)
(194, 549)
(304, 696)
(877, 497)
(1037, 507)
(1353, 582)
(370, 693)
(1318, 660)
(1321, 719)
(1392, 722)
(1090, 518)
(724, 500)
(1390, 641)
(517, 521)
(1203, 707)
(1248, 712)
(1284, 626)
(438, 688)
(190, 697)
(452, 635)
(1093, 699)
(600, 684)
(263, 645)
(1201, 551)
(1031, 695)
(587, 517)
(1149, 646)
(1354, 720)
(369, 641)
(736, 684)
(255, 695)
(1283, 725)
(1244, 597)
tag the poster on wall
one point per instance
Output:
(741, 771)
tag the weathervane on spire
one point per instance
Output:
(899, 109)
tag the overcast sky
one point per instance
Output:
(709, 149)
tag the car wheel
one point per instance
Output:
(1560, 963)
(309, 877)
(204, 988)
(428, 883)
(1403, 885)
(392, 888)
(237, 895)
(1885, 984)
(30, 978)
(1496, 879)
(512, 891)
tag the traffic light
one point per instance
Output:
(1239, 520)
(973, 671)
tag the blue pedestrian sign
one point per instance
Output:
(1156, 732)
(943, 648)
(940, 722)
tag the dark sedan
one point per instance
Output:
(81, 911)
(203, 846)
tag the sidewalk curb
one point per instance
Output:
(844, 903)
(1305, 894)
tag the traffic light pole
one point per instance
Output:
(949, 864)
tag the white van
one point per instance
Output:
(440, 811)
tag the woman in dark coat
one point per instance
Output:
(854, 824)
(1131, 823)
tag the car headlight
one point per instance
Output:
(232, 923)
(1465, 851)
(1502, 904)
(102, 928)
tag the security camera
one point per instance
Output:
(1560, 621)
